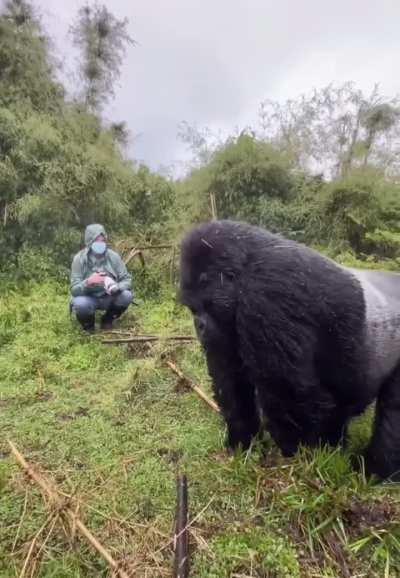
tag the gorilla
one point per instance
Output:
(294, 342)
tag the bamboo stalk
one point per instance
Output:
(213, 207)
(149, 247)
(52, 493)
(145, 338)
(193, 386)
(172, 267)
(181, 565)
(155, 247)
(134, 253)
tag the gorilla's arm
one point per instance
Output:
(278, 344)
(233, 392)
(383, 452)
(235, 396)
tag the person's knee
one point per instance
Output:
(83, 306)
(124, 299)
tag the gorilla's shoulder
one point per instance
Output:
(245, 242)
(228, 229)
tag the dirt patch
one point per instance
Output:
(333, 553)
(39, 396)
(182, 386)
(171, 456)
(43, 396)
(80, 412)
(361, 516)
(140, 349)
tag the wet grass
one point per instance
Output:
(109, 425)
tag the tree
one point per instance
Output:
(26, 64)
(102, 40)
(250, 179)
(335, 129)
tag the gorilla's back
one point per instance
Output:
(382, 298)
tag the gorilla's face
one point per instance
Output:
(211, 270)
(211, 298)
(207, 329)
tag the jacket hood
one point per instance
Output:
(93, 231)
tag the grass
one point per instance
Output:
(109, 425)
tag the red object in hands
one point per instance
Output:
(95, 279)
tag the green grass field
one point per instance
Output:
(110, 425)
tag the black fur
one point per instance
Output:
(283, 330)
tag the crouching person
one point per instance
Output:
(99, 280)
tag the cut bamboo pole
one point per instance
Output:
(193, 386)
(181, 565)
(52, 493)
(213, 207)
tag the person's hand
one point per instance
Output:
(110, 285)
(113, 289)
(95, 279)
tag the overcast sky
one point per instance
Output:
(211, 62)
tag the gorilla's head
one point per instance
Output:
(212, 261)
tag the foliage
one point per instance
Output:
(234, 553)
(245, 175)
(271, 178)
(60, 167)
(102, 40)
(26, 67)
(150, 198)
(335, 129)
(360, 213)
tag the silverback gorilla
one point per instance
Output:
(294, 340)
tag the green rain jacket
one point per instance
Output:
(85, 263)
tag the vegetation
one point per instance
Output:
(111, 425)
(61, 168)
(102, 39)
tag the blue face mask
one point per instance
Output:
(99, 247)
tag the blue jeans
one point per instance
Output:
(86, 305)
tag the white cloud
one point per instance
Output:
(211, 63)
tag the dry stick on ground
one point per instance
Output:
(37, 555)
(65, 510)
(33, 544)
(21, 521)
(140, 338)
(195, 387)
(181, 564)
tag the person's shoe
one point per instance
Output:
(109, 316)
(106, 324)
(87, 323)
